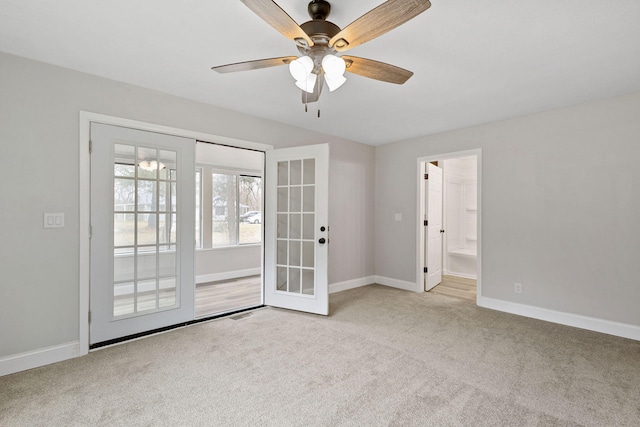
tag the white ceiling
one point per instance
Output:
(474, 61)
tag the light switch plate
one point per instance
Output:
(53, 220)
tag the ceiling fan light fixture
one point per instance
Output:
(301, 68)
(308, 84)
(334, 82)
(333, 66)
(151, 166)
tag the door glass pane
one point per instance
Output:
(147, 227)
(167, 294)
(309, 201)
(124, 195)
(123, 229)
(123, 299)
(163, 196)
(146, 265)
(172, 197)
(283, 199)
(167, 262)
(281, 279)
(294, 252)
(283, 254)
(145, 272)
(308, 227)
(124, 163)
(308, 254)
(167, 163)
(295, 172)
(282, 226)
(309, 171)
(173, 232)
(123, 267)
(163, 228)
(308, 284)
(283, 173)
(147, 163)
(147, 196)
(295, 226)
(294, 280)
(295, 199)
(146, 295)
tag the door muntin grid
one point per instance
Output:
(145, 218)
(295, 227)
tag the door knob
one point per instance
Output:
(322, 241)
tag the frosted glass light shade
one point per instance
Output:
(151, 165)
(334, 82)
(307, 84)
(301, 68)
(333, 65)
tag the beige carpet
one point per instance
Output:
(383, 357)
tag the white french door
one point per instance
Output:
(296, 228)
(433, 238)
(142, 231)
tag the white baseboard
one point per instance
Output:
(43, 356)
(227, 275)
(395, 283)
(351, 284)
(623, 330)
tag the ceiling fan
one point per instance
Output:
(319, 41)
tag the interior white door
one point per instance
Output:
(142, 231)
(297, 229)
(433, 240)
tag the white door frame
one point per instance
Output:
(84, 195)
(420, 215)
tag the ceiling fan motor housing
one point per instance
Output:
(319, 9)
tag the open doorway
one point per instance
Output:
(449, 209)
(229, 233)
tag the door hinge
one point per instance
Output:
(425, 270)
(426, 176)
(90, 146)
(426, 223)
(442, 231)
(89, 316)
(90, 231)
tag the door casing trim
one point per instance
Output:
(419, 284)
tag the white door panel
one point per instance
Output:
(297, 229)
(142, 221)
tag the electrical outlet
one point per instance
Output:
(517, 288)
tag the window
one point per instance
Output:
(225, 209)
(236, 207)
(250, 206)
(235, 214)
(229, 201)
(198, 208)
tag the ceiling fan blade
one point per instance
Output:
(275, 16)
(308, 98)
(377, 22)
(376, 70)
(254, 65)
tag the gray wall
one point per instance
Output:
(561, 207)
(39, 107)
